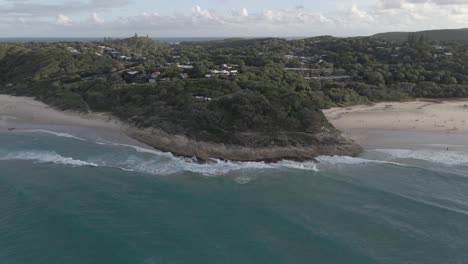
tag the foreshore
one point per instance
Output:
(26, 114)
(404, 124)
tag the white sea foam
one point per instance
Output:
(214, 168)
(45, 157)
(176, 165)
(450, 158)
(173, 164)
(146, 150)
(352, 161)
(243, 180)
(58, 134)
(163, 163)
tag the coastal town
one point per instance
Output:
(133, 67)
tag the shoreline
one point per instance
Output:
(381, 125)
(27, 114)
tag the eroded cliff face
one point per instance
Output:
(320, 144)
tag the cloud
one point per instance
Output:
(348, 20)
(400, 4)
(95, 19)
(202, 14)
(460, 10)
(43, 9)
(63, 20)
(360, 14)
(244, 12)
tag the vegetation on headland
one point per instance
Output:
(225, 91)
(448, 35)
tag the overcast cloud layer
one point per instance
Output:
(118, 18)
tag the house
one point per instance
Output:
(152, 80)
(155, 74)
(219, 73)
(125, 58)
(73, 50)
(203, 98)
(184, 76)
(234, 72)
(448, 54)
(132, 73)
(114, 53)
(185, 67)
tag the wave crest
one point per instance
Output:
(346, 160)
(45, 157)
(58, 134)
(216, 167)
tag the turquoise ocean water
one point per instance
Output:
(66, 200)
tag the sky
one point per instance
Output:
(225, 18)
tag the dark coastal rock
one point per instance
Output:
(324, 144)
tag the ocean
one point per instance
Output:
(75, 39)
(68, 200)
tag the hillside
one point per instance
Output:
(444, 35)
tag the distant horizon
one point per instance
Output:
(220, 37)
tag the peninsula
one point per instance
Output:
(234, 99)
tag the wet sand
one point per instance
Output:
(24, 114)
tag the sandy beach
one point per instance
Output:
(23, 114)
(436, 116)
(404, 123)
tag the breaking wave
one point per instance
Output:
(58, 134)
(214, 168)
(144, 160)
(45, 157)
(333, 160)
